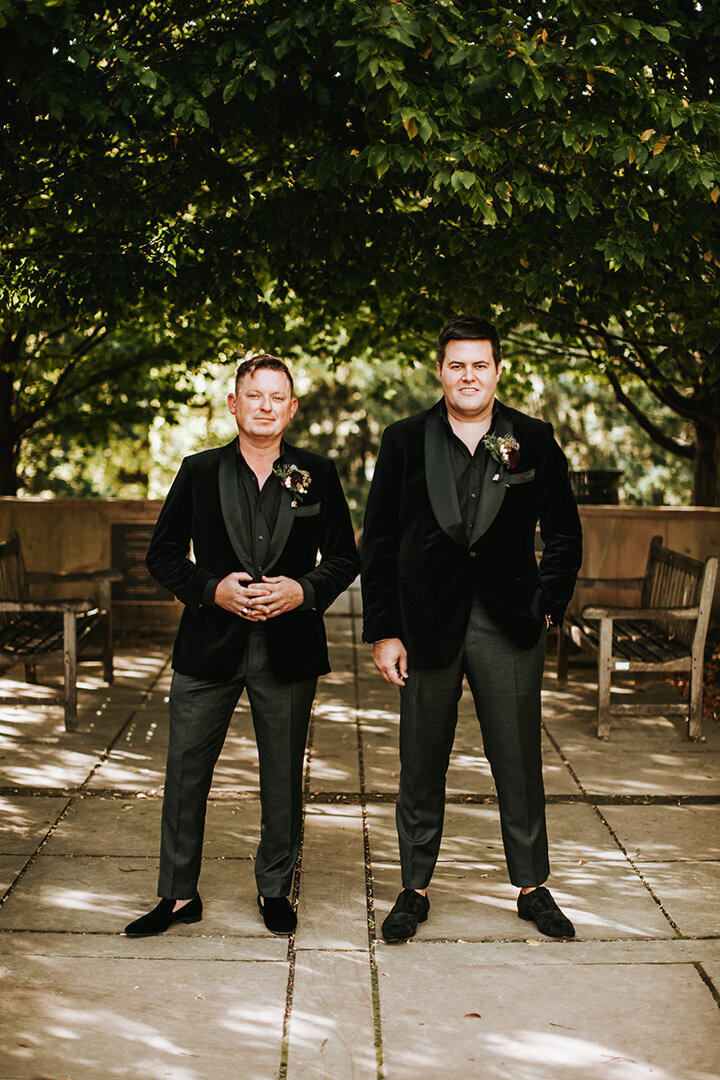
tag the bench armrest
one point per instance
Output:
(78, 605)
(614, 582)
(594, 611)
(39, 577)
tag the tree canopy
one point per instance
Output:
(288, 168)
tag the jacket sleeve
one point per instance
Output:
(380, 546)
(561, 532)
(168, 554)
(339, 561)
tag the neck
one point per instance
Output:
(259, 448)
(470, 429)
(260, 455)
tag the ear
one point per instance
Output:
(231, 403)
(293, 407)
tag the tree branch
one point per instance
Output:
(684, 450)
(666, 394)
(55, 394)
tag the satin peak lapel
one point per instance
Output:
(439, 479)
(230, 506)
(285, 518)
(492, 492)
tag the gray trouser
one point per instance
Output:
(200, 713)
(505, 682)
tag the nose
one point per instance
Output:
(266, 404)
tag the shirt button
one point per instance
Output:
(473, 554)
(261, 537)
(473, 495)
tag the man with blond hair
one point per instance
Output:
(273, 547)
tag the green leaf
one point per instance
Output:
(148, 78)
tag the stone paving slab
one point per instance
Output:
(102, 894)
(334, 760)
(331, 1026)
(688, 892)
(469, 771)
(98, 870)
(220, 947)
(332, 912)
(44, 765)
(156, 1020)
(137, 764)
(535, 1023)
(10, 867)
(667, 833)
(610, 771)
(98, 826)
(471, 833)
(25, 821)
(532, 952)
(603, 899)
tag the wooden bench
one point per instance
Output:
(665, 633)
(42, 629)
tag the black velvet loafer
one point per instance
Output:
(278, 915)
(161, 917)
(410, 909)
(539, 907)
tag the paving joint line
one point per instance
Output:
(589, 798)
(369, 891)
(635, 868)
(708, 982)
(295, 900)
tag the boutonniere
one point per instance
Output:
(504, 448)
(295, 480)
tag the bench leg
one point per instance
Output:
(70, 665)
(107, 653)
(30, 673)
(696, 699)
(604, 675)
(108, 673)
(562, 656)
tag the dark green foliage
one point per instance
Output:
(375, 165)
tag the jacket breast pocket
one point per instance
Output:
(521, 477)
(308, 511)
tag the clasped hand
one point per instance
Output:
(258, 601)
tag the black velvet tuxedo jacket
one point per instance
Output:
(419, 571)
(202, 508)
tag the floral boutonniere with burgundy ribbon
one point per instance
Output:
(297, 481)
(504, 448)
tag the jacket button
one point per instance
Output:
(473, 554)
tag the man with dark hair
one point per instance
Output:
(451, 587)
(257, 512)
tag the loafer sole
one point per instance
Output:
(557, 937)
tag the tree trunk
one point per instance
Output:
(706, 466)
(8, 447)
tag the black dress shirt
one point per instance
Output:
(259, 506)
(468, 471)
